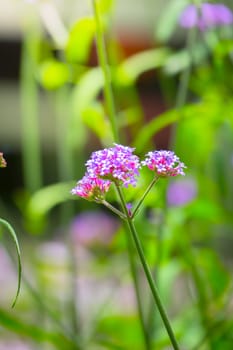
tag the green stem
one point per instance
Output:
(31, 152)
(113, 209)
(152, 317)
(153, 182)
(198, 283)
(185, 75)
(13, 235)
(102, 55)
(148, 274)
(184, 80)
(64, 152)
(133, 269)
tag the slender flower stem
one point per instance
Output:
(133, 269)
(102, 55)
(153, 182)
(184, 80)
(148, 274)
(113, 209)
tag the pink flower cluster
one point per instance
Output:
(164, 163)
(119, 165)
(91, 188)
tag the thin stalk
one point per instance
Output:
(64, 152)
(152, 317)
(113, 209)
(184, 80)
(185, 75)
(153, 182)
(148, 274)
(200, 290)
(31, 151)
(133, 270)
(73, 304)
(102, 55)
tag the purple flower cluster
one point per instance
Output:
(2, 161)
(117, 164)
(164, 163)
(209, 15)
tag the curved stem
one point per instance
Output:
(153, 182)
(148, 274)
(102, 55)
(10, 229)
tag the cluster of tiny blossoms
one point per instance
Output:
(91, 188)
(164, 163)
(119, 165)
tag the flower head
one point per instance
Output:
(209, 15)
(2, 161)
(181, 192)
(164, 163)
(117, 164)
(91, 188)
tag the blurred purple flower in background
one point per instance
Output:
(93, 227)
(181, 192)
(209, 15)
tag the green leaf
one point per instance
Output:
(109, 329)
(85, 106)
(44, 200)
(214, 274)
(105, 6)
(87, 89)
(155, 125)
(10, 229)
(53, 74)
(168, 20)
(179, 61)
(130, 69)
(35, 333)
(80, 39)
(94, 118)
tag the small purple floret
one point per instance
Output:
(117, 164)
(209, 15)
(164, 163)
